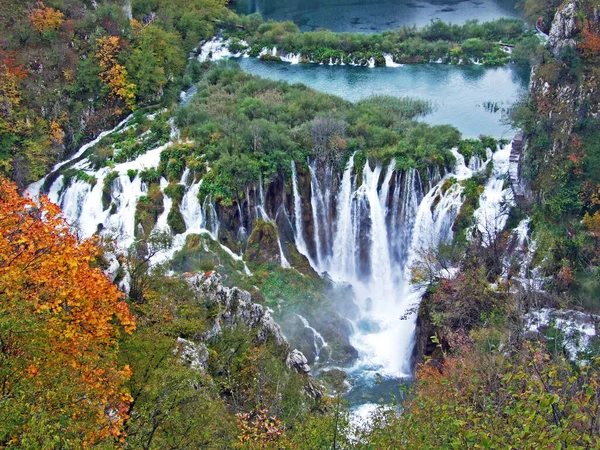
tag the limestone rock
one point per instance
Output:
(192, 353)
(563, 29)
(296, 360)
(236, 307)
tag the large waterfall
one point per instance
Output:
(368, 226)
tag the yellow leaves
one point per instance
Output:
(56, 133)
(32, 370)
(136, 27)
(62, 316)
(114, 74)
(45, 18)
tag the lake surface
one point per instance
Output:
(463, 96)
(369, 16)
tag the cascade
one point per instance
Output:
(161, 222)
(492, 214)
(318, 340)
(34, 189)
(314, 201)
(344, 243)
(299, 231)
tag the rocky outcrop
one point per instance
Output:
(564, 29)
(235, 307)
(296, 360)
(192, 353)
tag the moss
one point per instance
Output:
(132, 173)
(270, 57)
(147, 210)
(175, 220)
(448, 183)
(262, 244)
(473, 187)
(300, 262)
(202, 253)
(175, 192)
(107, 188)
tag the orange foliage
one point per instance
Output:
(114, 74)
(45, 18)
(59, 320)
(590, 45)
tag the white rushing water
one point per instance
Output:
(383, 226)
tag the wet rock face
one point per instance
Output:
(262, 244)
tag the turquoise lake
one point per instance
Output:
(474, 99)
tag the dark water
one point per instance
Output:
(461, 96)
(368, 16)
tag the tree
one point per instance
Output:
(156, 60)
(45, 18)
(114, 74)
(60, 385)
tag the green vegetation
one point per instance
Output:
(484, 43)
(69, 69)
(147, 210)
(562, 160)
(249, 129)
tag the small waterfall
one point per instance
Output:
(318, 341)
(33, 189)
(191, 210)
(494, 202)
(344, 244)
(299, 236)
(161, 222)
(314, 201)
(283, 260)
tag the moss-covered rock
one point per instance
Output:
(262, 245)
(147, 210)
(175, 220)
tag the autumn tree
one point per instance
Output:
(60, 385)
(114, 74)
(486, 400)
(45, 18)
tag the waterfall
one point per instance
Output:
(191, 210)
(492, 214)
(318, 341)
(344, 243)
(314, 201)
(381, 270)
(299, 236)
(161, 222)
(34, 189)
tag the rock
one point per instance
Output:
(297, 361)
(563, 29)
(192, 353)
(236, 307)
(262, 244)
